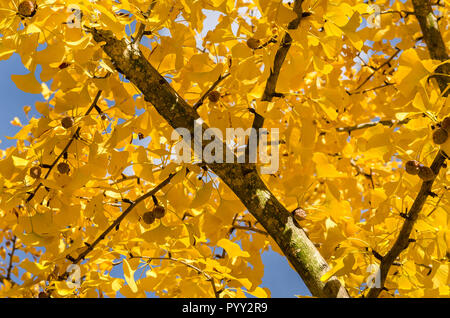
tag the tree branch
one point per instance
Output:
(437, 50)
(117, 222)
(213, 86)
(280, 56)
(11, 256)
(208, 277)
(433, 39)
(243, 179)
(71, 140)
(387, 122)
(402, 240)
(141, 29)
(376, 70)
(249, 228)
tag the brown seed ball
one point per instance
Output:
(412, 167)
(159, 211)
(27, 8)
(35, 172)
(63, 167)
(446, 124)
(440, 136)
(43, 295)
(425, 173)
(253, 43)
(67, 122)
(63, 65)
(300, 214)
(148, 217)
(214, 96)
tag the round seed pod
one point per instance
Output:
(63, 167)
(299, 214)
(425, 173)
(43, 295)
(159, 211)
(148, 217)
(412, 167)
(214, 96)
(67, 122)
(253, 43)
(27, 8)
(440, 136)
(445, 124)
(35, 172)
(63, 65)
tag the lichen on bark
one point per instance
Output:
(242, 179)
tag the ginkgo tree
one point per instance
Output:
(356, 91)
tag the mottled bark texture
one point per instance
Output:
(271, 84)
(243, 179)
(437, 50)
(433, 38)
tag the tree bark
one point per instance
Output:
(436, 47)
(243, 179)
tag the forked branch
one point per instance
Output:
(116, 223)
(437, 50)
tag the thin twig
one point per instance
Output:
(126, 178)
(213, 86)
(371, 89)
(141, 29)
(362, 172)
(11, 256)
(436, 205)
(280, 56)
(377, 69)
(249, 228)
(176, 260)
(71, 140)
(116, 223)
(388, 123)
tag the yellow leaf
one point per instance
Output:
(27, 83)
(34, 267)
(233, 249)
(19, 162)
(325, 169)
(260, 292)
(202, 195)
(129, 276)
(339, 264)
(16, 122)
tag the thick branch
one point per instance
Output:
(402, 241)
(280, 56)
(437, 50)
(433, 38)
(243, 179)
